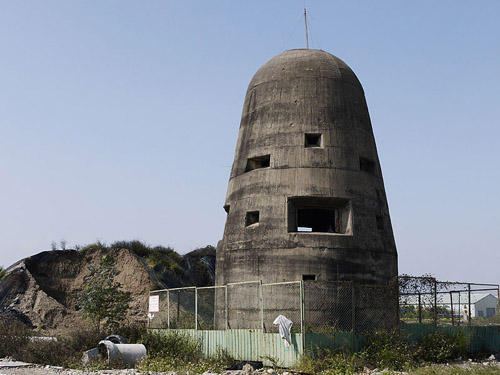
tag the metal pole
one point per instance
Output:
(451, 306)
(302, 316)
(470, 314)
(195, 308)
(498, 295)
(353, 314)
(178, 307)
(305, 23)
(302, 307)
(459, 310)
(225, 304)
(435, 303)
(261, 306)
(168, 309)
(419, 308)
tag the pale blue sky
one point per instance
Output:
(118, 119)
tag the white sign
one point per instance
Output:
(154, 304)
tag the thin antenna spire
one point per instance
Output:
(305, 23)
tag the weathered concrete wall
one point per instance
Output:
(297, 93)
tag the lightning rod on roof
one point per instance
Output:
(305, 23)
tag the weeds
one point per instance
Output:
(391, 351)
(456, 370)
(175, 352)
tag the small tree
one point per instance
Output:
(102, 299)
(2, 274)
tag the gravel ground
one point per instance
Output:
(52, 370)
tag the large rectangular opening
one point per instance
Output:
(315, 220)
(258, 162)
(319, 215)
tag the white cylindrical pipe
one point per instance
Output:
(124, 353)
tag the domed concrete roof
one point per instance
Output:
(304, 63)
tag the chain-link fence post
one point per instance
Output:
(261, 298)
(469, 312)
(353, 314)
(451, 308)
(498, 296)
(168, 309)
(302, 307)
(419, 307)
(225, 307)
(435, 304)
(195, 308)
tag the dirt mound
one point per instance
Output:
(41, 290)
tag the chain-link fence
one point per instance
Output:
(427, 300)
(326, 306)
(312, 306)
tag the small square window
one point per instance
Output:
(258, 162)
(252, 217)
(313, 140)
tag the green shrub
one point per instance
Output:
(176, 352)
(439, 347)
(171, 345)
(329, 362)
(389, 350)
(20, 342)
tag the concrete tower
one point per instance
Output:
(306, 197)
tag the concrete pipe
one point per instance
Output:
(123, 353)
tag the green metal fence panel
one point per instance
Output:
(334, 340)
(247, 345)
(481, 338)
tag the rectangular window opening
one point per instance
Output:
(252, 217)
(313, 140)
(258, 162)
(366, 165)
(317, 219)
(308, 277)
(319, 215)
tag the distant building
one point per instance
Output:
(484, 305)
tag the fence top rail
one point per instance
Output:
(447, 292)
(282, 283)
(212, 287)
(170, 289)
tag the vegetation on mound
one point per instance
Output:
(2, 274)
(169, 267)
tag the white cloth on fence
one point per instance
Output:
(285, 325)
